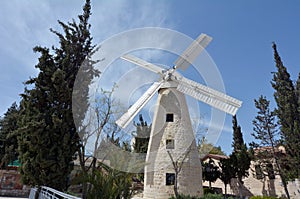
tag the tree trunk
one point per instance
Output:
(81, 152)
(240, 188)
(175, 186)
(285, 187)
(282, 177)
(225, 190)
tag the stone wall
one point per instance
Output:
(10, 184)
(172, 138)
(259, 187)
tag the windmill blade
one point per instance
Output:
(125, 119)
(143, 63)
(192, 52)
(209, 96)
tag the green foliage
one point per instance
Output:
(241, 161)
(263, 197)
(207, 148)
(238, 140)
(207, 191)
(48, 138)
(227, 171)
(8, 136)
(287, 99)
(240, 157)
(210, 172)
(109, 184)
(265, 128)
(142, 136)
(217, 150)
(212, 196)
(206, 196)
(298, 91)
(141, 141)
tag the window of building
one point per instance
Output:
(170, 178)
(258, 172)
(170, 117)
(270, 171)
(170, 144)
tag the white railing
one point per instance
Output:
(49, 193)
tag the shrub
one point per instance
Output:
(183, 197)
(212, 196)
(207, 191)
(207, 196)
(263, 197)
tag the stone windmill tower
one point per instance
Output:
(172, 159)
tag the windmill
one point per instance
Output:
(171, 139)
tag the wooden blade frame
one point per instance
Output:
(209, 96)
(142, 63)
(192, 52)
(125, 119)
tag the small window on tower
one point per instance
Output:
(270, 171)
(258, 172)
(170, 144)
(170, 178)
(170, 117)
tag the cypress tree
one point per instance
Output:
(141, 141)
(288, 113)
(48, 136)
(238, 140)
(142, 136)
(298, 91)
(240, 156)
(8, 136)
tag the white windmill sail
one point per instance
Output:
(144, 64)
(200, 92)
(125, 119)
(208, 95)
(192, 52)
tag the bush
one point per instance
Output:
(212, 196)
(207, 191)
(263, 197)
(207, 196)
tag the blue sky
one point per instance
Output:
(242, 31)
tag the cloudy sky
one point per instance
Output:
(242, 31)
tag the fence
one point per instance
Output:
(49, 193)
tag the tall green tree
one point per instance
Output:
(238, 140)
(210, 172)
(226, 172)
(288, 113)
(240, 156)
(141, 141)
(266, 135)
(298, 91)
(142, 136)
(8, 136)
(48, 136)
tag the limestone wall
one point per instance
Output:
(184, 152)
(259, 187)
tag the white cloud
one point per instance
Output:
(111, 17)
(26, 23)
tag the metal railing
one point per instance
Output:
(49, 193)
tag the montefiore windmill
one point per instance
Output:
(172, 143)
